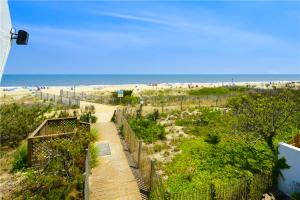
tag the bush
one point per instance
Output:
(94, 155)
(20, 158)
(127, 98)
(210, 91)
(153, 116)
(147, 130)
(62, 176)
(88, 117)
(213, 138)
(18, 120)
(219, 91)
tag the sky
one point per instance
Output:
(156, 37)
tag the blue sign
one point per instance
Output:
(120, 93)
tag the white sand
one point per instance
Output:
(17, 92)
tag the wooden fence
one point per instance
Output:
(69, 101)
(89, 97)
(87, 172)
(135, 146)
(243, 189)
(39, 142)
(160, 101)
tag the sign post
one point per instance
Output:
(120, 94)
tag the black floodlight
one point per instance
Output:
(21, 37)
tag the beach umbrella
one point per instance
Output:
(7, 33)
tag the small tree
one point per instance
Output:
(266, 115)
(18, 120)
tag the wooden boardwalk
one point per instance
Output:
(112, 178)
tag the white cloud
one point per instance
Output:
(132, 17)
(222, 33)
(79, 38)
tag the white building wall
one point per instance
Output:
(291, 177)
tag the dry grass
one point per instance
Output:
(9, 182)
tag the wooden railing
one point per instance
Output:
(39, 142)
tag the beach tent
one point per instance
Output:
(5, 34)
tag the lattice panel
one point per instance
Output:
(61, 126)
(41, 149)
(54, 130)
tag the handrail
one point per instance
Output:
(53, 135)
(38, 128)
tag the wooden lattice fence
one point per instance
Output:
(51, 130)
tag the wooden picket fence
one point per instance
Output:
(88, 97)
(69, 101)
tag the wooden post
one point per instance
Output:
(152, 165)
(181, 103)
(139, 154)
(29, 150)
(212, 192)
(248, 186)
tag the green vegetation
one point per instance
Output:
(18, 120)
(147, 128)
(87, 115)
(219, 91)
(238, 142)
(268, 115)
(20, 158)
(127, 98)
(62, 176)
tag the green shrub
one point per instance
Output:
(127, 98)
(20, 158)
(153, 116)
(88, 117)
(18, 120)
(219, 91)
(147, 130)
(213, 138)
(62, 177)
(210, 91)
(94, 155)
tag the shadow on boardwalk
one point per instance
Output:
(137, 174)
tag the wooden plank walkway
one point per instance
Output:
(112, 178)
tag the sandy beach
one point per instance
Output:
(18, 92)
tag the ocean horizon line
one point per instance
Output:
(123, 79)
(191, 74)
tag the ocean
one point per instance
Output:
(70, 80)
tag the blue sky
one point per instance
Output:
(153, 37)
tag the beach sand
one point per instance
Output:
(18, 92)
